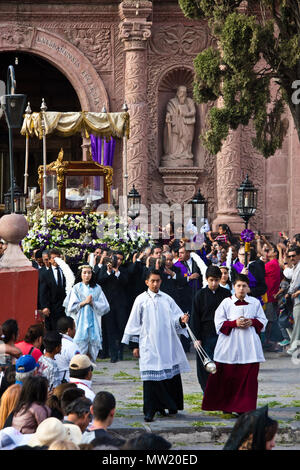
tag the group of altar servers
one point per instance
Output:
(230, 327)
(227, 325)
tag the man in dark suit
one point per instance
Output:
(136, 276)
(113, 278)
(52, 291)
(192, 282)
(192, 279)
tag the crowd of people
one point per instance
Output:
(222, 289)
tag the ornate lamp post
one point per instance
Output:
(133, 203)
(19, 201)
(246, 200)
(246, 206)
(199, 209)
(13, 106)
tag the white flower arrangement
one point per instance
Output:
(67, 234)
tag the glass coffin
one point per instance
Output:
(72, 185)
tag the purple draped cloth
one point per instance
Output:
(108, 154)
(239, 267)
(108, 150)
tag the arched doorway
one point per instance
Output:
(37, 79)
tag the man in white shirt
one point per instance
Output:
(153, 329)
(239, 320)
(81, 373)
(66, 327)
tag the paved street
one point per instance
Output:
(279, 386)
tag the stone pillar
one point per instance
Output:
(135, 29)
(86, 148)
(229, 178)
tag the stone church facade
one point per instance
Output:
(139, 52)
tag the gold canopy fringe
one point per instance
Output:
(69, 123)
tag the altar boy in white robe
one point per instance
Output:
(239, 320)
(153, 330)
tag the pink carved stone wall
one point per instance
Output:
(136, 51)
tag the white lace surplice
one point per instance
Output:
(154, 323)
(241, 346)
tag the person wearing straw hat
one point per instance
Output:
(52, 429)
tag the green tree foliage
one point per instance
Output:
(253, 49)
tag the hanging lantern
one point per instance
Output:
(246, 200)
(19, 206)
(199, 208)
(133, 203)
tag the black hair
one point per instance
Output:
(241, 277)
(253, 254)
(92, 281)
(54, 251)
(64, 323)
(154, 247)
(80, 373)
(228, 232)
(213, 271)
(34, 390)
(10, 330)
(271, 428)
(55, 407)
(38, 254)
(34, 332)
(147, 441)
(51, 340)
(69, 395)
(295, 248)
(152, 271)
(297, 237)
(103, 403)
(80, 406)
(108, 440)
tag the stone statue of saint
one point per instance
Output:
(179, 130)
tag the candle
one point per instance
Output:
(246, 201)
(32, 194)
(88, 200)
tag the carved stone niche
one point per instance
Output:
(167, 89)
(179, 183)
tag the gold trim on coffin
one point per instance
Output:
(61, 168)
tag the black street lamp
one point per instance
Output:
(133, 203)
(246, 200)
(19, 201)
(13, 106)
(199, 208)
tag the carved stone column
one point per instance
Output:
(228, 180)
(135, 29)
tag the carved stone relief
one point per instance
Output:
(178, 39)
(95, 44)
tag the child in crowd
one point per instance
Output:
(47, 364)
(285, 309)
(225, 281)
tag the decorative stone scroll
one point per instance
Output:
(179, 183)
